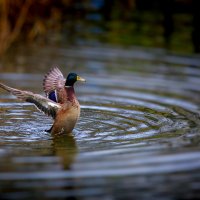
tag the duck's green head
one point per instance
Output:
(72, 78)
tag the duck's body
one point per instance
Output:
(68, 115)
(61, 102)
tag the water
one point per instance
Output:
(138, 136)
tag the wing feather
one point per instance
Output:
(53, 80)
(42, 103)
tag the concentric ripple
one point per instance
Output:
(138, 136)
(120, 111)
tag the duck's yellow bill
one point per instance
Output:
(80, 79)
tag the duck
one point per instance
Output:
(60, 101)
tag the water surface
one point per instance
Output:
(137, 138)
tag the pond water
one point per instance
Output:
(138, 136)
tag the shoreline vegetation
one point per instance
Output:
(168, 24)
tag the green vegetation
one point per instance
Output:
(65, 21)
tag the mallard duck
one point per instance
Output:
(60, 102)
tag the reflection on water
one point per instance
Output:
(137, 137)
(64, 147)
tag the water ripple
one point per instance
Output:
(137, 131)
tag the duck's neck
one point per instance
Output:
(70, 93)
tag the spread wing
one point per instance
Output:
(42, 103)
(53, 81)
